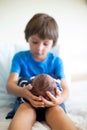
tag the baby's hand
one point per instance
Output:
(34, 100)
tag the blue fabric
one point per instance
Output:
(26, 66)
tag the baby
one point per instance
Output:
(41, 83)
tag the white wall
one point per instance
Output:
(71, 16)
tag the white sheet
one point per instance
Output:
(77, 104)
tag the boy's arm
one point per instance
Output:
(12, 86)
(65, 92)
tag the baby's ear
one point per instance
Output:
(57, 91)
(29, 86)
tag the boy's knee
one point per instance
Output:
(53, 114)
(26, 108)
(53, 110)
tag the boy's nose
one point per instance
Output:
(40, 47)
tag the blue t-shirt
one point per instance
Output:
(26, 66)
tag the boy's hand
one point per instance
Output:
(53, 100)
(34, 100)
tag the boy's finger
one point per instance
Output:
(57, 92)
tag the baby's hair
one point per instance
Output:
(43, 25)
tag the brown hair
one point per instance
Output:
(43, 25)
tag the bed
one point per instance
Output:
(76, 104)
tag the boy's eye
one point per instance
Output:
(45, 44)
(35, 42)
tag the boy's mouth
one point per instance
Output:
(39, 53)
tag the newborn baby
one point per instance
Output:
(43, 83)
(40, 84)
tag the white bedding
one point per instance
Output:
(76, 105)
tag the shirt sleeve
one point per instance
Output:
(59, 68)
(16, 64)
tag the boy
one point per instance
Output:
(41, 33)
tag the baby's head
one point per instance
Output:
(43, 83)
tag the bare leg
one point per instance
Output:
(57, 119)
(24, 118)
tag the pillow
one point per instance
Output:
(6, 53)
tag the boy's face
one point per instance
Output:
(39, 48)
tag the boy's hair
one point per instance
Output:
(43, 25)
